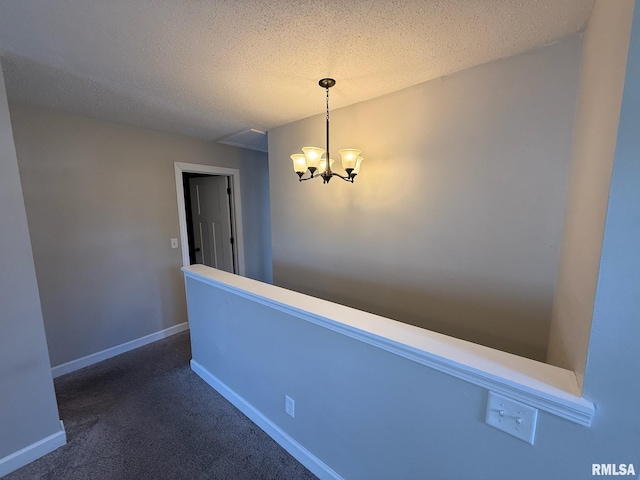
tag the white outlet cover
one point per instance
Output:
(512, 417)
(290, 406)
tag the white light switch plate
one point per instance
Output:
(174, 243)
(512, 417)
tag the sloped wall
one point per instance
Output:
(604, 60)
(28, 409)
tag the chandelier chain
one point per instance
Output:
(327, 104)
(328, 155)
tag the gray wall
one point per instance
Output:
(611, 376)
(28, 409)
(101, 206)
(455, 221)
(604, 60)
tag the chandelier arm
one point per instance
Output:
(346, 179)
(309, 178)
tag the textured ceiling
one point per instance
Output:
(215, 68)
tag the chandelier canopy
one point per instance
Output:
(314, 159)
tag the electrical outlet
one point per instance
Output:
(512, 417)
(290, 406)
(174, 243)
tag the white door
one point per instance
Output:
(211, 216)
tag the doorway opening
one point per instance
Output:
(210, 216)
(210, 224)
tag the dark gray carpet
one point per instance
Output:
(145, 415)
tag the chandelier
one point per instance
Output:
(314, 159)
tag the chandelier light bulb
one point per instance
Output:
(323, 164)
(356, 170)
(299, 163)
(349, 157)
(313, 156)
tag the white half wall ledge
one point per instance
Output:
(32, 452)
(546, 387)
(82, 362)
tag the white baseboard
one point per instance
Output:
(79, 363)
(34, 451)
(304, 456)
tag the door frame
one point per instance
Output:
(234, 174)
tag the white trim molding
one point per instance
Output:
(32, 452)
(304, 456)
(540, 385)
(79, 363)
(234, 173)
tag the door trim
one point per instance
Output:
(234, 173)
